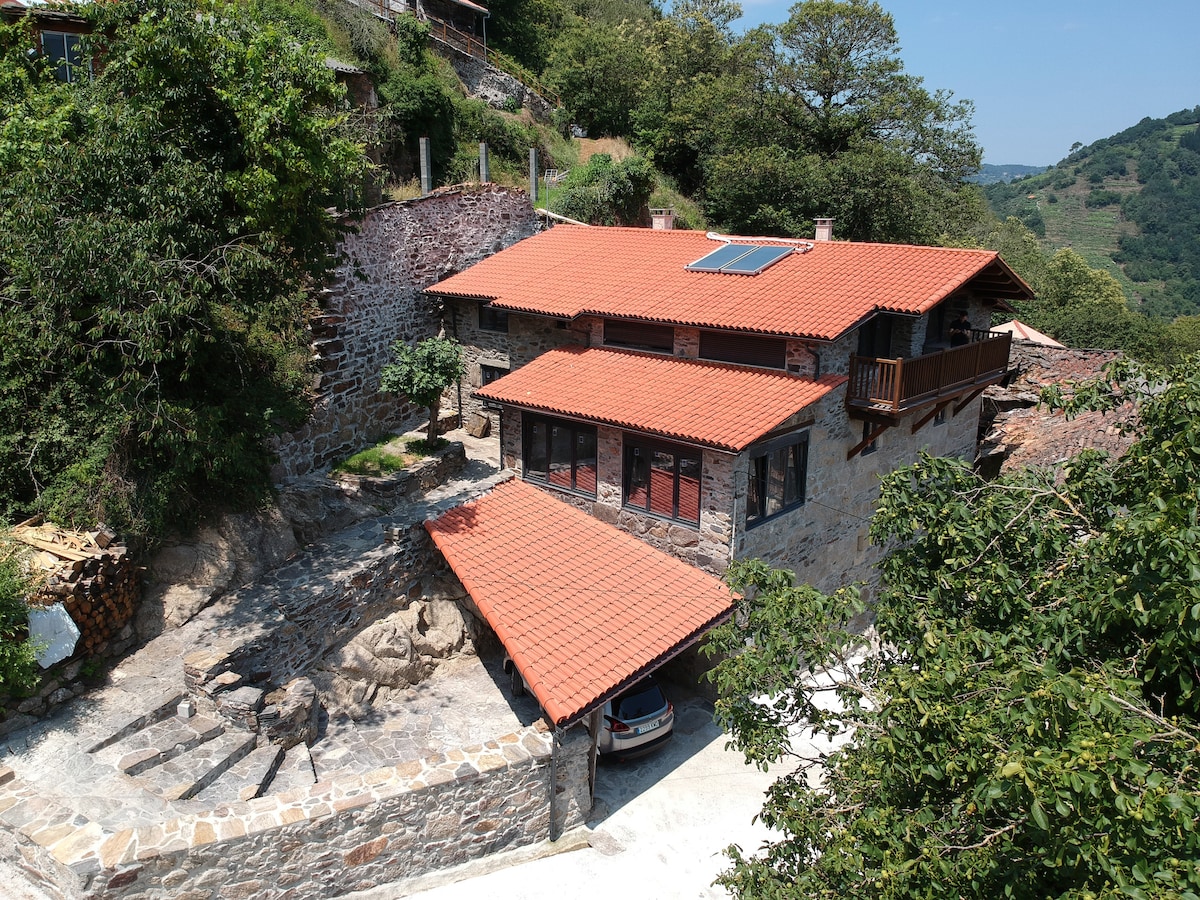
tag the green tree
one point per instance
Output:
(160, 227)
(1029, 723)
(421, 373)
(604, 192)
(18, 656)
(830, 99)
(597, 69)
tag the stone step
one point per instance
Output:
(187, 774)
(295, 772)
(247, 778)
(124, 725)
(159, 742)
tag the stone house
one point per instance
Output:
(725, 398)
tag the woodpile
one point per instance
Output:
(91, 576)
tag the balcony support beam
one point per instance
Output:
(921, 422)
(967, 399)
(867, 441)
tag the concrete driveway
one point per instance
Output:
(658, 830)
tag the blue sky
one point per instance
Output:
(1044, 75)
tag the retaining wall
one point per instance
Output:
(374, 299)
(348, 834)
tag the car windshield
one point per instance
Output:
(642, 699)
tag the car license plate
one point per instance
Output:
(649, 726)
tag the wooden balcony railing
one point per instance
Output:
(893, 387)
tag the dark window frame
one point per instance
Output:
(761, 478)
(576, 430)
(868, 427)
(634, 447)
(493, 319)
(487, 374)
(69, 61)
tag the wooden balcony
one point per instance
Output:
(886, 389)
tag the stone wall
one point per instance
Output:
(375, 299)
(347, 834)
(527, 338)
(494, 87)
(825, 541)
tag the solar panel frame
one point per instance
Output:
(717, 259)
(756, 260)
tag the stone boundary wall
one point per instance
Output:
(496, 88)
(374, 299)
(347, 834)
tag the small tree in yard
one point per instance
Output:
(421, 373)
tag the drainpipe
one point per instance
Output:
(555, 831)
(454, 331)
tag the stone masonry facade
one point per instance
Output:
(824, 541)
(375, 299)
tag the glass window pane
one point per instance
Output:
(536, 464)
(561, 447)
(637, 475)
(756, 488)
(775, 481)
(662, 483)
(585, 461)
(689, 488)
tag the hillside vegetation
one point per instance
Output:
(1129, 204)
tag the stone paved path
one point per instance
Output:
(461, 704)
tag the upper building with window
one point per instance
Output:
(725, 397)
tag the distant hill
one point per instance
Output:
(991, 174)
(1130, 204)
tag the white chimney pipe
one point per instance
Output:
(824, 229)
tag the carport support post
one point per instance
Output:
(555, 832)
(594, 729)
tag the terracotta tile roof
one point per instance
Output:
(583, 608)
(723, 406)
(639, 273)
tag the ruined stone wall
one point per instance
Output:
(375, 299)
(347, 834)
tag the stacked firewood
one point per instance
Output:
(88, 573)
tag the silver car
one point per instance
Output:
(637, 721)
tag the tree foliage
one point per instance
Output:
(1029, 724)
(604, 192)
(845, 132)
(18, 656)
(422, 372)
(160, 224)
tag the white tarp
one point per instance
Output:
(52, 629)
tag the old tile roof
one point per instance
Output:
(718, 405)
(639, 273)
(583, 608)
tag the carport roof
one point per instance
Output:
(582, 608)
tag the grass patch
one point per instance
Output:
(392, 454)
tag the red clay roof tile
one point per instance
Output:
(639, 273)
(583, 608)
(723, 406)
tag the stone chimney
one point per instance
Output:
(824, 229)
(662, 219)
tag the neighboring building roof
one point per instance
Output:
(582, 608)
(1023, 332)
(819, 291)
(718, 405)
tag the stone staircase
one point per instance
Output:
(200, 757)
